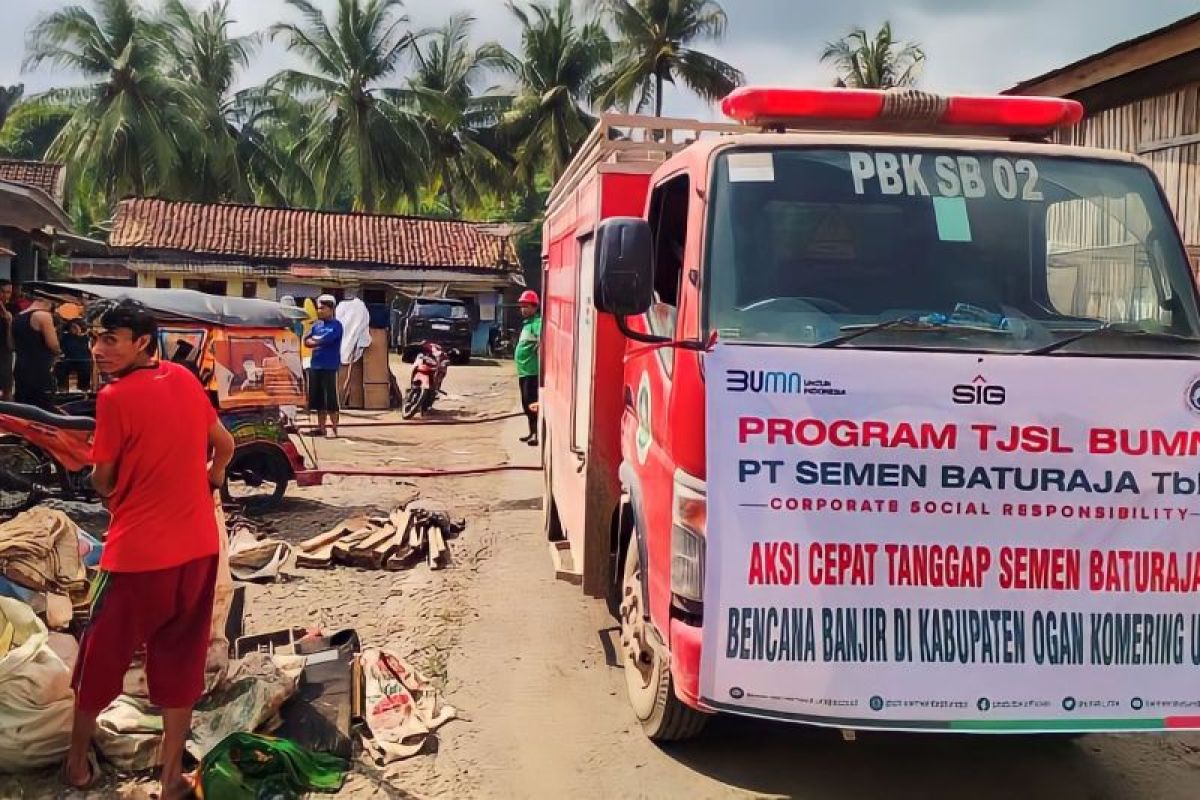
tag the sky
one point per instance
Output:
(975, 46)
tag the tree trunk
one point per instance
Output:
(448, 186)
(658, 93)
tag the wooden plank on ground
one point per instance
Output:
(332, 535)
(367, 554)
(317, 559)
(343, 546)
(436, 546)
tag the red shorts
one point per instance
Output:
(167, 610)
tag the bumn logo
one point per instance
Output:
(979, 393)
(757, 381)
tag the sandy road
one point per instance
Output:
(543, 711)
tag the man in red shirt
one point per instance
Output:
(159, 452)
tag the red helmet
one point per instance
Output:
(528, 298)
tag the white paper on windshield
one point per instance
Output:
(751, 168)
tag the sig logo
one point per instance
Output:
(757, 381)
(979, 393)
(1193, 396)
(737, 693)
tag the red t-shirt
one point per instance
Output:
(153, 424)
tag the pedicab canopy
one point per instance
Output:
(245, 351)
(182, 303)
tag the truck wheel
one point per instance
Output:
(663, 716)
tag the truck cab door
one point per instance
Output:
(648, 384)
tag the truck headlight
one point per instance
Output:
(689, 521)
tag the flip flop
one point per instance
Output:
(95, 775)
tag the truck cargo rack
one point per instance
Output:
(634, 139)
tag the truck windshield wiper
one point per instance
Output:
(1108, 327)
(838, 341)
(918, 323)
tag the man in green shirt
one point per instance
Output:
(527, 358)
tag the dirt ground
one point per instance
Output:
(542, 708)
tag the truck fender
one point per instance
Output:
(632, 504)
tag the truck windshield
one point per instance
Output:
(941, 249)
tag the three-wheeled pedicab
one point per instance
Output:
(244, 352)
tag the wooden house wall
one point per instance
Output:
(1165, 131)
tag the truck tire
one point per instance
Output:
(663, 716)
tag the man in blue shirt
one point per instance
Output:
(325, 339)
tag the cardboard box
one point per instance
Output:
(353, 397)
(375, 360)
(376, 396)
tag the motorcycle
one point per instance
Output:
(501, 342)
(244, 353)
(429, 371)
(45, 455)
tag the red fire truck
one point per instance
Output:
(795, 226)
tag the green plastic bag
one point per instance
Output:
(245, 766)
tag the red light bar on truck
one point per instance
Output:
(907, 109)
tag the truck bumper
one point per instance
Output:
(685, 662)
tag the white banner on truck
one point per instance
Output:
(919, 541)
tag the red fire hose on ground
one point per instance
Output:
(403, 423)
(315, 476)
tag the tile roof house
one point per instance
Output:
(31, 218)
(42, 175)
(257, 251)
(278, 236)
(265, 252)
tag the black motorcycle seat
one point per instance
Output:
(41, 416)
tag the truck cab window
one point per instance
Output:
(668, 221)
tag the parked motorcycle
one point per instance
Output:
(429, 371)
(45, 455)
(501, 342)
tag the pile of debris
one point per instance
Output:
(346, 691)
(410, 534)
(255, 551)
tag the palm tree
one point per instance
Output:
(128, 123)
(879, 62)
(361, 136)
(31, 128)
(208, 58)
(556, 74)
(459, 121)
(10, 97)
(651, 50)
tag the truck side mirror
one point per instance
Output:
(624, 266)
